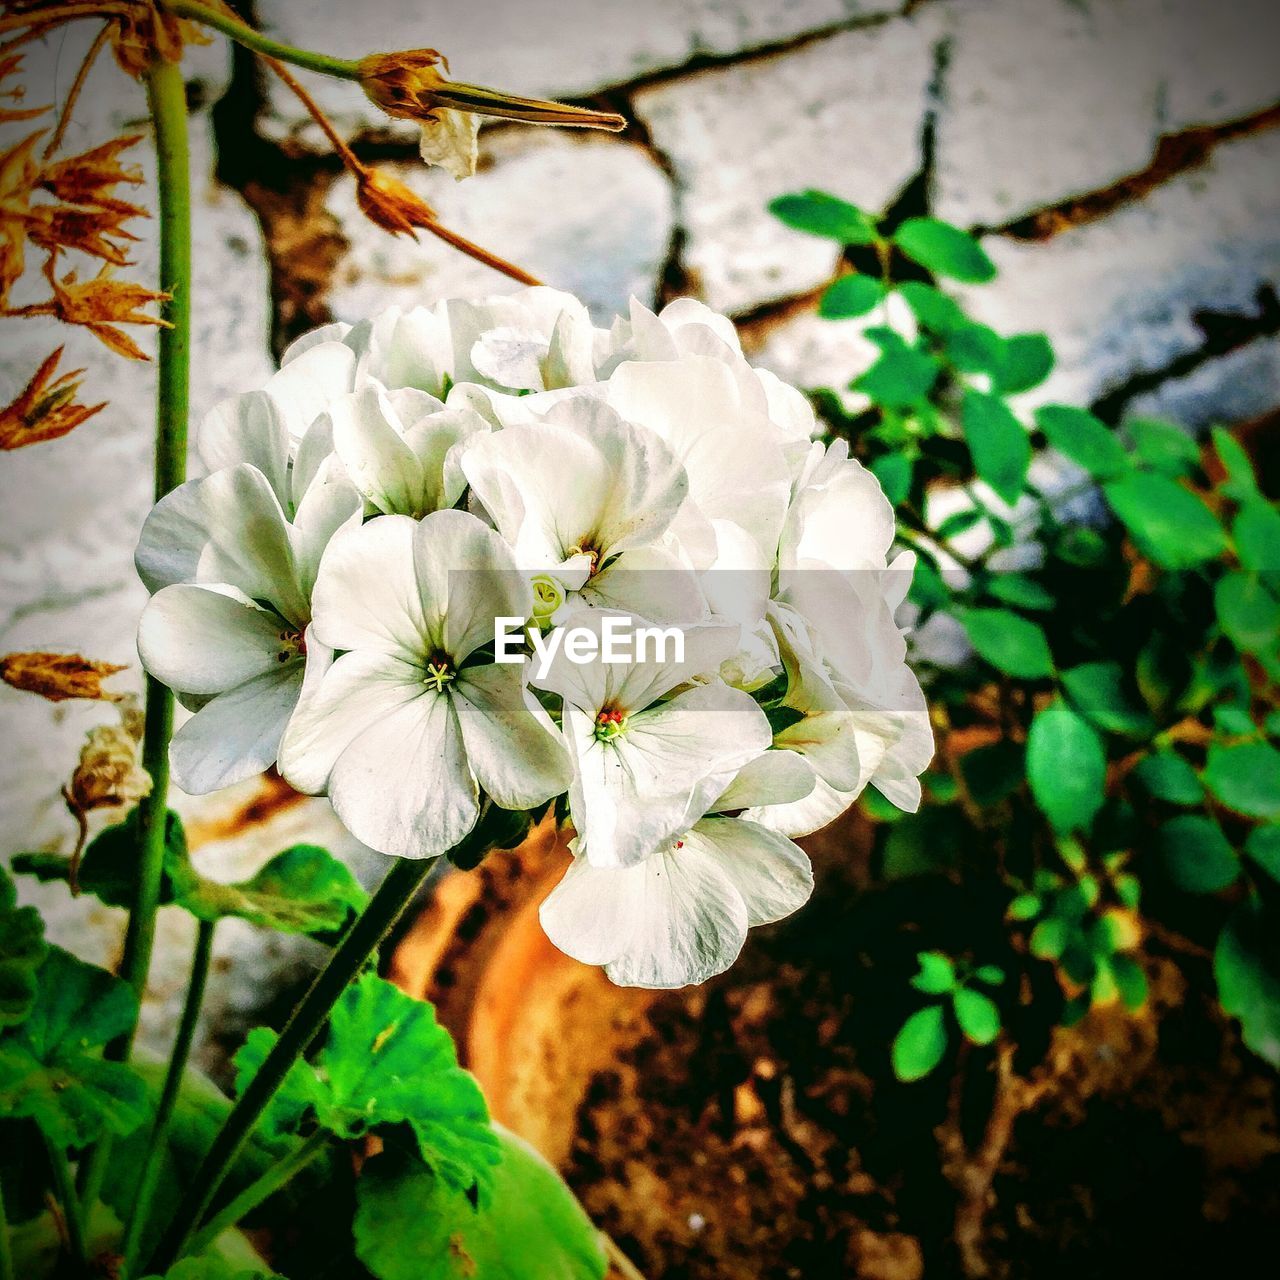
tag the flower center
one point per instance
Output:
(610, 724)
(588, 548)
(439, 672)
(293, 644)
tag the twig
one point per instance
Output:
(99, 42)
(473, 250)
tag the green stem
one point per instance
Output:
(6, 1251)
(64, 1188)
(244, 34)
(254, 1194)
(312, 1013)
(140, 1214)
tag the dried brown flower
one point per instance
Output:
(145, 30)
(90, 177)
(59, 676)
(109, 772)
(102, 303)
(19, 173)
(96, 232)
(391, 204)
(11, 64)
(45, 409)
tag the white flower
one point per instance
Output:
(646, 765)
(403, 731)
(682, 914)
(587, 498)
(228, 622)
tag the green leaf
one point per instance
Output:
(1197, 856)
(1162, 446)
(1257, 537)
(1246, 778)
(1097, 690)
(1028, 361)
(1012, 644)
(1066, 767)
(922, 844)
(1049, 938)
(1026, 906)
(902, 377)
(944, 250)
(894, 471)
(999, 444)
(305, 889)
(410, 1225)
(849, 297)
(1168, 777)
(932, 308)
(976, 348)
(991, 974)
(1240, 483)
(51, 1066)
(928, 590)
(959, 522)
(920, 1043)
(937, 974)
(1248, 612)
(978, 1016)
(1246, 964)
(1084, 438)
(1020, 591)
(820, 214)
(1232, 721)
(210, 1268)
(386, 1061)
(22, 948)
(1168, 523)
(1263, 848)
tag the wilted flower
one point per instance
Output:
(102, 303)
(91, 177)
(109, 772)
(390, 203)
(96, 232)
(145, 30)
(45, 408)
(59, 676)
(411, 86)
(10, 64)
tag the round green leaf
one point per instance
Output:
(1168, 777)
(902, 377)
(1066, 767)
(999, 444)
(1240, 483)
(1257, 536)
(1248, 612)
(992, 974)
(1026, 906)
(932, 308)
(919, 1045)
(1049, 939)
(849, 297)
(1028, 361)
(945, 250)
(978, 1016)
(1162, 446)
(1247, 966)
(1167, 522)
(1010, 643)
(1024, 593)
(22, 949)
(820, 214)
(894, 471)
(1246, 778)
(1084, 438)
(937, 974)
(1197, 855)
(1097, 690)
(1263, 848)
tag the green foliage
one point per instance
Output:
(1066, 767)
(411, 1224)
(1167, 522)
(944, 250)
(1247, 966)
(386, 1061)
(1197, 856)
(1246, 778)
(819, 214)
(22, 948)
(919, 1045)
(51, 1065)
(1085, 439)
(849, 297)
(998, 442)
(1009, 642)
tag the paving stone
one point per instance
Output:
(541, 48)
(844, 114)
(1241, 385)
(590, 215)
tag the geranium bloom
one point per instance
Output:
(406, 728)
(681, 915)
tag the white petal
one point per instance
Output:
(839, 518)
(512, 747)
(367, 438)
(174, 536)
(327, 509)
(403, 786)
(309, 382)
(204, 641)
(334, 332)
(650, 583)
(776, 777)
(237, 734)
(772, 874)
(591, 914)
(823, 805)
(450, 140)
(248, 428)
(408, 349)
(510, 357)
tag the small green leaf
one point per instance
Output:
(978, 1015)
(1168, 777)
(1248, 612)
(1246, 964)
(1026, 906)
(1012, 644)
(937, 974)
(411, 1225)
(1232, 721)
(1049, 938)
(1246, 778)
(849, 297)
(1020, 591)
(894, 471)
(944, 250)
(1097, 690)
(1166, 522)
(1197, 856)
(999, 444)
(1084, 438)
(22, 949)
(976, 348)
(920, 1043)
(51, 1066)
(1162, 446)
(1257, 537)
(991, 974)
(1066, 767)
(1240, 483)
(820, 214)
(1028, 361)
(932, 308)
(1263, 848)
(902, 377)
(959, 522)
(211, 1268)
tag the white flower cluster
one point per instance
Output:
(325, 600)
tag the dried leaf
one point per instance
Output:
(147, 30)
(11, 64)
(90, 177)
(390, 204)
(46, 408)
(95, 232)
(103, 302)
(59, 676)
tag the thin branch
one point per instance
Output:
(345, 154)
(77, 85)
(473, 250)
(619, 1260)
(66, 13)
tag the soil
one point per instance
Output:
(751, 1129)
